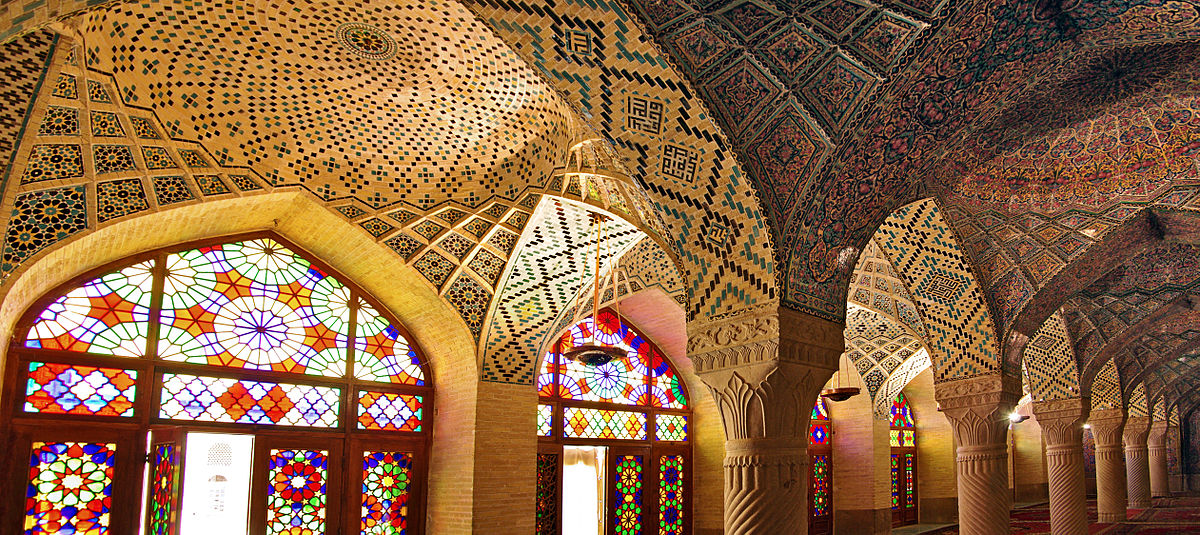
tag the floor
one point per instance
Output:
(1180, 514)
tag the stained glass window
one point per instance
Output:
(901, 414)
(70, 488)
(627, 499)
(904, 438)
(909, 481)
(670, 494)
(381, 353)
(547, 494)
(296, 492)
(73, 389)
(895, 481)
(254, 305)
(545, 417)
(213, 399)
(600, 423)
(820, 485)
(393, 412)
(643, 377)
(671, 427)
(108, 315)
(386, 477)
(162, 489)
(818, 429)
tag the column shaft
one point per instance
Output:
(978, 409)
(1110, 465)
(1061, 422)
(1160, 484)
(1137, 468)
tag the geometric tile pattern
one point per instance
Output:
(670, 142)
(877, 346)
(1050, 362)
(1106, 389)
(555, 257)
(40, 219)
(171, 190)
(896, 382)
(875, 285)
(1136, 405)
(119, 198)
(962, 339)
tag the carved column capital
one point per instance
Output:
(1135, 431)
(1062, 420)
(764, 334)
(978, 407)
(1107, 426)
(1157, 438)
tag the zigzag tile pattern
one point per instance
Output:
(1136, 405)
(1050, 363)
(896, 382)
(599, 59)
(961, 336)
(546, 272)
(875, 285)
(1106, 389)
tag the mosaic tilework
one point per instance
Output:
(877, 347)
(119, 198)
(60, 121)
(193, 158)
(143, 128)
(1136, 405)
(106, 124)
(456, 245)
(66, 87)
(1106, 389)
(244, 183)
(544, 277)
(171, 190)
(39, 220)
(211, 185)
(158, 158)
(113, 158)
(896, 382)
(53, 162)
(483, 144)
(376, 227)
(471, 301)
(503, 241)
(922, 249)
(404, 245)
(1050, 362)
(434, 267)
(428, 229)
(97, 92)
(22, 64)
(689, 170)
(875, 285)
(487, 265)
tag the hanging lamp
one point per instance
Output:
(593, 353)
(838, 392)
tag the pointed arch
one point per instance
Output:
(1050, 362)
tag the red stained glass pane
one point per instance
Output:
(385, 490)
(387, 411)
(69, 488)
(71, 389)
(108, 315)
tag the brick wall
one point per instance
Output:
(937, 478)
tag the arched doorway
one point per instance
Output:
(614, 455)
(820, 476)
(903, 463)
(266, 393)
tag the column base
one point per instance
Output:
(1111, 518)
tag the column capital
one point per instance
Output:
(764, 334)
(1158, 433)
(978, 407)
(1062, 419)
(1135, 431)
(1107, 425)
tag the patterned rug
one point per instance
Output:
(1179, 514)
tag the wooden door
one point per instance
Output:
(291, 485)
(165, 464)
(382, 494)
(630, 491)
(820, 492)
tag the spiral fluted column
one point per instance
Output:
(978, 409)
(1156, 441)
(1062, 428)
(1137, 467)
(1111, 500)
(764, 368)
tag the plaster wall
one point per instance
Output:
(862, 493)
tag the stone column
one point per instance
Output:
(1110, 464)
(1160, 484)
(1062, 427)
(978, 410)
(1137, 468)
(764, 368)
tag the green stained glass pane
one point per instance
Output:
(627, 496)
(296, 492)
(671, 427)
(670, 495)
(381, 353)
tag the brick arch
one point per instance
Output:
(1050, 361)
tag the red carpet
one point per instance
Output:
(1179, 514)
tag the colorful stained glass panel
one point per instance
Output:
(71, 389)
(909, 481)
(819, 413)
(670, 494)
(598, 423)
(108, 315)
(296, 493)
(622, 381)
(901, 413)
(820, 485)
(545, 379)
(386, 478)
(214, 399)
(627, 497)
(162, 489)
(671, 427)
(70, 488)
(545, 416)
(390, 412)
(666, 389)
(904, 438)
(547, 495)
(895, 481)
(818, 433)
(381, 353)
(255, 305)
